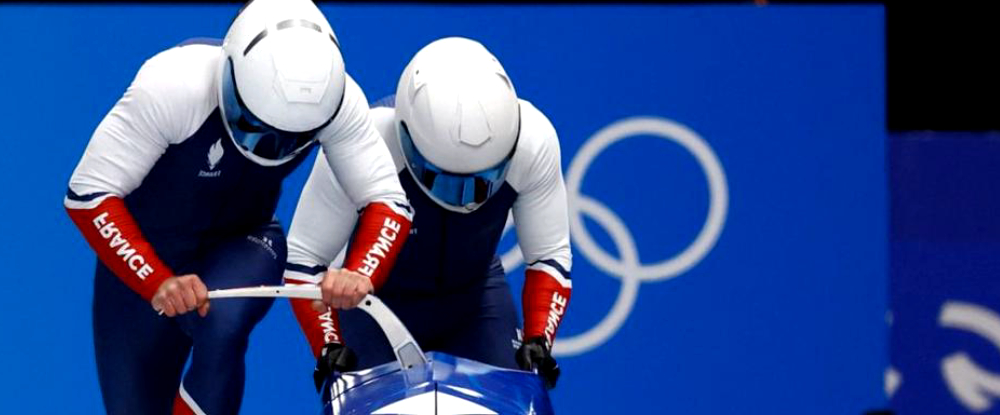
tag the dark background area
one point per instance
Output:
(942, 66)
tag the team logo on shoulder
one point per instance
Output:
(214, 156)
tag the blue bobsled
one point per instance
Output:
(446, 385)
(432, 383)
(417, 383)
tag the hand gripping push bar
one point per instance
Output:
(407, 351)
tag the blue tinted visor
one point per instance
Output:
(464, 192)
(254, 135)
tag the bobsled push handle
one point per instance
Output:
(407, 350)
(307, 292)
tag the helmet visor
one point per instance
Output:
(463, 192)
(254, 135)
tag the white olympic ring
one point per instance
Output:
(628, 268)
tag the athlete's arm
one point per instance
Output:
(121, 152)
(362, 167)
(542, 223)
(323, 221)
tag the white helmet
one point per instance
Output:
(282, 78)
(458, 121)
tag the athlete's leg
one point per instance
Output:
(214, 382)
(140, 355)
(488, 332)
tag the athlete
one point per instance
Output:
(468, 152)
(177, 189)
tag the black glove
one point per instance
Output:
(534, 355)
(334, 357)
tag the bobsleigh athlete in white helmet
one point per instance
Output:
(469, 153)
(177, 189)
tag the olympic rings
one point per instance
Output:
(628, 267)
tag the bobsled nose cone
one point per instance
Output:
(425, 403)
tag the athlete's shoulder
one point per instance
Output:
(187, 72)
(537, 135)
(534, 120)
(352, 91)
(537, 148)
(176, 90)
(170, 97)
(354, 102)
(351, 119)
(384, 119)
(352, 114)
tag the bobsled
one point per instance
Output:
(417, 383)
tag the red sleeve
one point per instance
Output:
(544, 298)
(114, 235)
(319, 328)
(380, 234)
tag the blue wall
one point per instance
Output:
(781, 311)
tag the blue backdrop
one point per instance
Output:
(769, 121)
